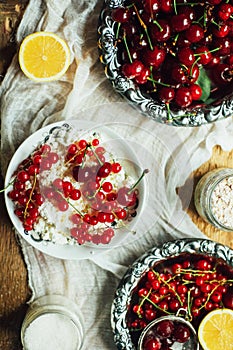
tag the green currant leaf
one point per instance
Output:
(205, 83)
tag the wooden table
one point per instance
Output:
(14, 291)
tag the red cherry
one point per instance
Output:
(194, 33)
(132, 70)
(151, 6)
(125, 197)
(180, 22)
(154, 57)
(121, 15)
(181, 333)
(166, 94)
(196, 91)
(166, 6)
(165, 328)
(152, 344)
(183, 97)
(204, 55)
(160, 31)
(186, 56)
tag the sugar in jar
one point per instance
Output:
(213, 198)
(53, 322)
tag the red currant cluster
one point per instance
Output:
(106, 204)
(26, 193)
(195, 283)
(177, 52)
(164, 334)
(86, 177)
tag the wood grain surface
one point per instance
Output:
(218, 159)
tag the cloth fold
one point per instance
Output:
(170, 153)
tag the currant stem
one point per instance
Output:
(9, 184)
(30, 197)
(145, 171)
(189, 305)
(146, 297)
(67, 200)
(172, 289)
(96, 155)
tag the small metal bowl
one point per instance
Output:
(191, 344)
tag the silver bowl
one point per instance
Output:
(191, 116)
(137, 270)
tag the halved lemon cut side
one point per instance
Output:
(216, 330)
(44, 56)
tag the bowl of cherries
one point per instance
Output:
(172, 60)
(165, 294)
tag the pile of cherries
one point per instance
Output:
(91, 179)
(192, 283)
(165, 333)
(180, 53)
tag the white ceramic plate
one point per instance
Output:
(121, 150)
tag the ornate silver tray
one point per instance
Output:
(157, 111)
(123, 294)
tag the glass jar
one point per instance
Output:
(52, 322)
(213, 198)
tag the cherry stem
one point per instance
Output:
(118, 30)
(144, 26)
(158, 25)
(158, 82)
(204, 53)
(145, 171)
(127, 48)
(174, 4)
(30, 197)
(216, 24)
(151, 76)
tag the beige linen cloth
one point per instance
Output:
(171, 154)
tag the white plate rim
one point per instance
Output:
(28, 145)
